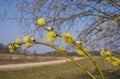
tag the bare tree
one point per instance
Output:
(95, 22)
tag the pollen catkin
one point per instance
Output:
(26, 39)
(41, 22)
(51, 36)
(66, 37)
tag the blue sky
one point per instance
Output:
(9, 31)
(8, 28)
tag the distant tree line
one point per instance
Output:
(73, 53)
(4, 49)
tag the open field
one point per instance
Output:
(34, 64)
(14, 59)
(62, 71)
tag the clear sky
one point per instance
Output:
(9, 31)
(8, 28)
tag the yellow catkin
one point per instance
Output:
(80, 52)
(41, 22)
(26, 39)
(27, 44)
(68, 38)
(51, 36)
(17, 41)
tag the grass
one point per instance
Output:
(62, 71)
(14, 58)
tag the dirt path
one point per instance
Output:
(35, 64)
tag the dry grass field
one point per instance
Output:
(14, 58)
(63, 71)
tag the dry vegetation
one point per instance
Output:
(63, 71)
(13, 58)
